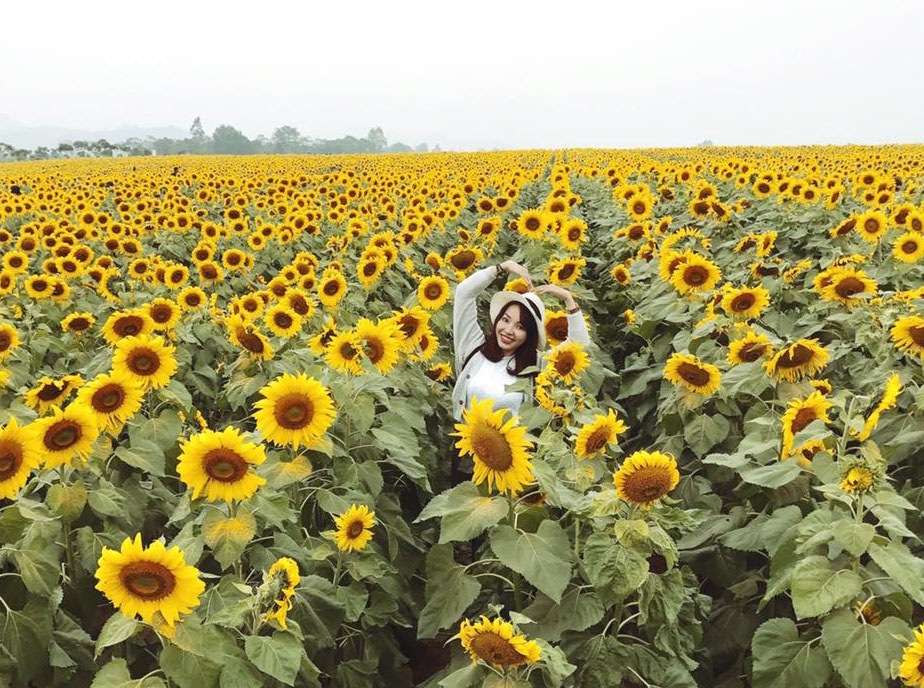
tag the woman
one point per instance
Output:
(486, 365)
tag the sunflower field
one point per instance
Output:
(226, 427)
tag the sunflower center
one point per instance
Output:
(294, 411)
(224, 465)
(107, 399)
(871, 225)
(433, 291)
(147, 580)
(849, 286)
(916, 332)
(564, 363)
(795, 357)
(283, 320)
(463, 259)
(639, 208)
(802, 419)
(597, 440)
(693, 374)
(574, 234)
(566, 271)
(532, 224)
(355, 529)
(557, 329)
(695, 275)
(647, 484)
(409, 325)
(331, 287)
(129, 326)
(79, 324)
(636, 232)
(374, 349)
(161, 314)
(192, 299)
(51, 391)
(491, 448)
(909, 246)
(249, 341)
(494, 649)
(62, 435)
(10, 459)
(750, 352)
(143, 362)
(742, 302)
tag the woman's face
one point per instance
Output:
(510, 331)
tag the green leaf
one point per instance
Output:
(402, 452)
(555, 664)
(543, 557)
(902, 566)
(818, 588)
(117, 628)
(782, 659)
(854, 537)
(449, 592)
(162, 430)
(236, 673)
(466, 677)
(39, 566)
(106, 500)
(615, 570)
(24, 637)
(115, 675)
(704, 432)
(816, 430)
(188, 670)
(143, 454)
(177, 393)
(764, 532)
(465, 513)
(228, 536)
(862, 653)
(773, 475)
(279, 655)
(67, 501)
(578, 611)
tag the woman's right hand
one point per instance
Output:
(517, 269)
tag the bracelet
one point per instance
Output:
(498, 270)
(572, 311)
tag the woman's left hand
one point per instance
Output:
(556, 290)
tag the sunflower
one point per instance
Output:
(911, 670)
(318, 343)
(131, 323)
(380, 342)
(298, 301)
(370, 268)
(565, 272)
(620, 273)
(9, 339)
(433, 292)
(519, 285)
(889, 396)
(567, 361)
(846, 284)
(281, 580)
(19, 456)
(499, 449)
(800, 359)
(282, 320)
(749, 348)
(464, 259)
(217, 465)
(39, 287)
(695, 275)
(871, 225)
(78, 323)
(799, 414)
(746, 302)
(412, 323)
(594, 437)
(532, 223)
(66, 435)
(556, 326)
(696, 376)
(572, 233)
(51, 392)
(245, 335)
(191, 298)
(146, 360)
(439, 372)
(427, 346)
(908, 334)
(495, 643)
(295, 410)
(344, 353)
(147, 581)
(645, 477)
(858, 476)
(164, 313)
(114, 398)
(331, 288)
(909, 247)
(354, 528)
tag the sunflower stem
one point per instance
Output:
(577, 539)
(336, 579)
(73, 573)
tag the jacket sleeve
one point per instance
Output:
(577, 329)
(466, 334)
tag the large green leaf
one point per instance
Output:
(854, 537)
(782, 659)
(862, 653)
(818, 588)
(704, 432)
(144, 454)
(450, 591)
(188, 670)
(772, 475)
(228, 536)
(115, 675)
(464, 512)
(578, 611)
(543, 557)
(903, 567)
(279, 656)
(117, 628)
(615, 570)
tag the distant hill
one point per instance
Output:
(20, 135)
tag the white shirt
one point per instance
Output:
(490, 382)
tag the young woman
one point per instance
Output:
(486, 364)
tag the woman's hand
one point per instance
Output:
(517, 269)
(560, 292)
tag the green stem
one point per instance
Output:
(73, 572)
(577, 540)
(517, 593)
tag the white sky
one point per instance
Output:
(477, 74)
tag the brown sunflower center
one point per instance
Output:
(693, 374)
(916, 332)
(802, 419)
(636, 232)
(909, 246)
(871, 225)
(147, 580)
(491, 447)
(283, 320)
(108, 398)
(574, 234)
(647, 484)
(331, 287)
(143, 361)
(374, 348)
(751, 351)
(51, 391)
(566, 271)
(62, 435)
(294, 411)
(796, 356)
(597, 440)
(129, 326)
(695, 275)
(557, 329)
(409, 325)
(161, 313)
(639, 207)
(249, 341)
(742, 302)
(532, 223)
(192, 299)
(11, 455)
(433, 291)
(370, 268)
(355, 529)
(564, 363)
(78, 324)
(224, 465)
(463, 259)
(849, 286)
(494, 649)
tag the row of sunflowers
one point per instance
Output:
(226, 426)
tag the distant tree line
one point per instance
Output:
(225, 140)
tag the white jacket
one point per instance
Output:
(467, 335)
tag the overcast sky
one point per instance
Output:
(477, 74)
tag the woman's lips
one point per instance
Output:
(506, 340)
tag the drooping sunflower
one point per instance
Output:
(499, 448)
(688, 371)
(802, 358)
(746, 302)
(78, 323)
(245, 335)
(593, 438)
(19, 456)
(847, 285)
(296, 410)
(380, 343)
(567, 361)
(893, 388)
(695, 275)
(217, 465)
(749, 348)
(645, 477)
(911, 670)
(147, 581)
(165, 314)
(354, 528)
(908, 335)
(146, 360)
(282, 320)
(281, 580)
(51, 392)
(66, 435)
(114, 398)
(130, 323)
(433, 292)
(799, 414)
(495, 643)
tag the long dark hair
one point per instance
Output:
(526, 355)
